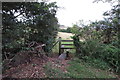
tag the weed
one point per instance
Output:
(80, 69)
(53, 72)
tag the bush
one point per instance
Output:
(111, 55)
(89, 48)
(95, 52)
(68, 30)
(40, 24)
(98, 63)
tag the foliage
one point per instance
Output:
(91, 48)
(77, 69)
(96, 62)
(26, 22)
(109, 1)
(63, 30)
(111, 55)
(97, 51)
(81, 69)
(114, 16)
(68, 30)
(75, 29)
(101, 40)
(53, 72)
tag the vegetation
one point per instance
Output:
(53, 72)
(73, 29)
(97, 45)
(101, 40)
(85, 70)
(77, 69)
(68, 30)
(38, 23)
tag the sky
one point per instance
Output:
(71, 11)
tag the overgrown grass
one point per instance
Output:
(53, 72)
(96, 63)
(66, 42)
(56, 48)
(79, 69)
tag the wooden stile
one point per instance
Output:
(65, 46)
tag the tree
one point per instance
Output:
(75, 29)
(37, 23)
(114, 17)
(109, 1)
(69, 30)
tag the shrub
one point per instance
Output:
(98, 63)
(111, 55)
(100, 53)
(39, 24)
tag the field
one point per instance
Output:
(64, 35)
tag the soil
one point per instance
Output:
(34, 69)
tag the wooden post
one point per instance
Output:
(59, 45)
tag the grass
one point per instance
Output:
(68, 46)
(65, 35)
(79, 69)
(53, 72)
(97, 63)
(56, 48)
(66, 42)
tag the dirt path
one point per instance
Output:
(35, 69)
(61, 64)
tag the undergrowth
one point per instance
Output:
(53, 72)
(80, 69)
(77, 69)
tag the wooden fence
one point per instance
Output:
(65, 44)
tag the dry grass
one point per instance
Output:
(64, 35)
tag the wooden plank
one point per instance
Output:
(67, 48)
(59, 45)
(68, 44)
(67, 40)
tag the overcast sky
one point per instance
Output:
(72, 11)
